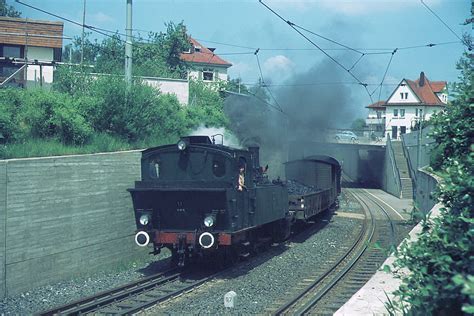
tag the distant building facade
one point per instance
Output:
(205, 64)
(28, 50)
(409, 104)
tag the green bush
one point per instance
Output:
(54, 115)
(10, 106)
(206, 106)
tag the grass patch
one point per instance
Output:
(99, 143)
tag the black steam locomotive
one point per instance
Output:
(201, 199)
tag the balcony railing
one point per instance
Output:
(373, 121)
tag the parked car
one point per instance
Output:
(346, 136)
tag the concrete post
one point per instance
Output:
(128, 45)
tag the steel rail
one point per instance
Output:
(105, 297)
(360, 242)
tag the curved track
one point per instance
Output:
(325, 293)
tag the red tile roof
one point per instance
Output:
(204, 56)
(427, 92)
(377, 105)
(437, 86)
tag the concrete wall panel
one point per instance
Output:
(3, 214)
(68, 215)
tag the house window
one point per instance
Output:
(395, 112)
(12, 51)
(403, 130)
(208, 75)
(403, 95)
(416, 112)
(379, 114)
(402, 112)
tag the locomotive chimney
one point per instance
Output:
(422, 79)
(255, 151)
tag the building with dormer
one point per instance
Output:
(409, 104)
(205, 64)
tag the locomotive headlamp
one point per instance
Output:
(144, 219)
(181, 145)
(209, 221)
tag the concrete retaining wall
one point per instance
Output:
(3, 213)
(63, 216)
(425, 186)
(391, 179)
(418, 146)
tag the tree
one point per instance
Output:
(8, 10)
(156, 56)
(358, 124)
(236, 85)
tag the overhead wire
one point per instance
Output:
(263, 82)
(385, 74)
(296, 27)
(445, 24)
(291, 24)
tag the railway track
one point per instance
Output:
(324, 292)
(134, 296)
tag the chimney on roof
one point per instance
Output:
(422, 79)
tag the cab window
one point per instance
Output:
(154, 168)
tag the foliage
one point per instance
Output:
(72, 80)
(206, 106)
(236, 85)
(54, 115)
(97, 112)
(8, 10)
(358, 124)
(157, 56)
(10, 107)
(440, 261)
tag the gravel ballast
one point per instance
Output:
(53, 295)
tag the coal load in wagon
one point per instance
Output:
(297, 188)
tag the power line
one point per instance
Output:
(385, 74)
(263, 82)
(328, 39)
(441, 20)
(292, 25)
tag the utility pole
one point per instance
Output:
(83, 24)
(128, 45)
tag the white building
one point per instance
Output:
(205, 64)
(410, 103)
(31, 45)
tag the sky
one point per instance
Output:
(238, 28)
